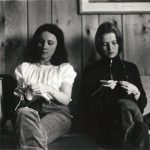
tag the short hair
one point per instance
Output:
(60, 54)
(107, 27)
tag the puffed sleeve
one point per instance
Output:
(67, 73)
(18, 75)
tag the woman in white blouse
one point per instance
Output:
(45, 83)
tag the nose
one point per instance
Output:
(44, 45)
(109, 46)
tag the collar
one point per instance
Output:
(107, 60)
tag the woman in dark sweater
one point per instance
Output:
(113, 97)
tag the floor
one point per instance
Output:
(67, 142)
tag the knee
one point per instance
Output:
(26, 116)
(25, 112)
(130, 108)
(122, 106)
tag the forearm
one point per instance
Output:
(60, 96)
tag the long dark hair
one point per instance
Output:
(107, 27)
(60, 54)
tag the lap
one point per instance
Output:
(55, 124)
(132, 108)
(130, 105)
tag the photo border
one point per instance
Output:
(87, 7)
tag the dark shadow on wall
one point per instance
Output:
(80, 56)
(13, 56)
(14, 48)
(8, 102)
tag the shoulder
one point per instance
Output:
(92, 67)
(65, 67)
(67, 73)
(130, 66)
(23, 66)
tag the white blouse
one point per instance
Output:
(28, 73)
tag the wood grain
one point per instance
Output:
(15, 33)
(146, 85)
(137, 41)
(2, 38)
(89, 27)
(39, 13)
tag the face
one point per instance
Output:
(109, 45)
(47, 45)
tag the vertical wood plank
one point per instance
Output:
(89, 28)
(39, 12)
(111, 18)
(2, 38)
(146, 86)
(136, 29)
(65, 15)
(1, 113)
(15, 33)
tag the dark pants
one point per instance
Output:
(134, 130)
(119, 124)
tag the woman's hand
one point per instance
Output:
(130, 88)
(63, 96)
(109, 83)
(19, 91)
(39, 88)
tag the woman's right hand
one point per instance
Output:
(109, 83)
(19, 91)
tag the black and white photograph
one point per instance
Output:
(74, 75)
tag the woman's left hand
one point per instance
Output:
(109, 83)
(129, 87)
(39, 88)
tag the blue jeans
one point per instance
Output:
(35, 132)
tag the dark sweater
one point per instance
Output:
(118, 70)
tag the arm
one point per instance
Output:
(142, 100)
(130, 89)
(63, 95)
(20, 89)
(134, 87)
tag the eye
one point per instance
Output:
(104, 43)
(114, 42)
(40, 42)
(50, 42)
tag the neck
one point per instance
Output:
(110, 59)
(45, 62)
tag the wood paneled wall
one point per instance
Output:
(20, 18)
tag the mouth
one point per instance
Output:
(111, 53)
(43, 51)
